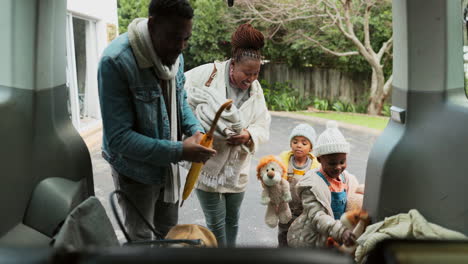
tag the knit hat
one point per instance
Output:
(306, 131)
(331, 141)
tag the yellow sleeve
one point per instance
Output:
(285, 156)
(315, 163)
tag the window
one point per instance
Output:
(82, 62)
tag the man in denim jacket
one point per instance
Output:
(145, 113)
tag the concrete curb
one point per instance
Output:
(323, 121)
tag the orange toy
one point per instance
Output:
(359, 219)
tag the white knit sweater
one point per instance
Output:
(254, 117)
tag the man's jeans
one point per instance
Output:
(149, 199)
(222, 215)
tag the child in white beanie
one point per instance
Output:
(324, 192)
(299, 160)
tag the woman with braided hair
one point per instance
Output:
(240, 130)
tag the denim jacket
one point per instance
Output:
(136, 128)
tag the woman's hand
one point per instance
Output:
(240, 139)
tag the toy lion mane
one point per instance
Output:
(267, 159)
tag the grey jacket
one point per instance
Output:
(316, 223)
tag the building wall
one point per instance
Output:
(102, 9)
(104, 12)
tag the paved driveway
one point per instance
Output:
(252, 231)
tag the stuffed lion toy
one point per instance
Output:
(276, 194)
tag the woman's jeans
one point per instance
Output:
(222, 215)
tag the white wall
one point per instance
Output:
(102, 11)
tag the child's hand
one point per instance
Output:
(349, 239)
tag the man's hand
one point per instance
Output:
(193, 151)
(349, 239)
(240, 139)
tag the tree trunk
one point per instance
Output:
(378, 95)
(376, 105)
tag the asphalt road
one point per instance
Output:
(253, 231)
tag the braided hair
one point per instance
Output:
(246, 42)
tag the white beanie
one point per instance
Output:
(306, 131)
(331, 141)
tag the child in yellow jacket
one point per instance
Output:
(298, 161)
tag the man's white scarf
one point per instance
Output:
(143, 49)
(224, 168)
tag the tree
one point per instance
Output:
(210, 33)
(325, 23)
(129, 10)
